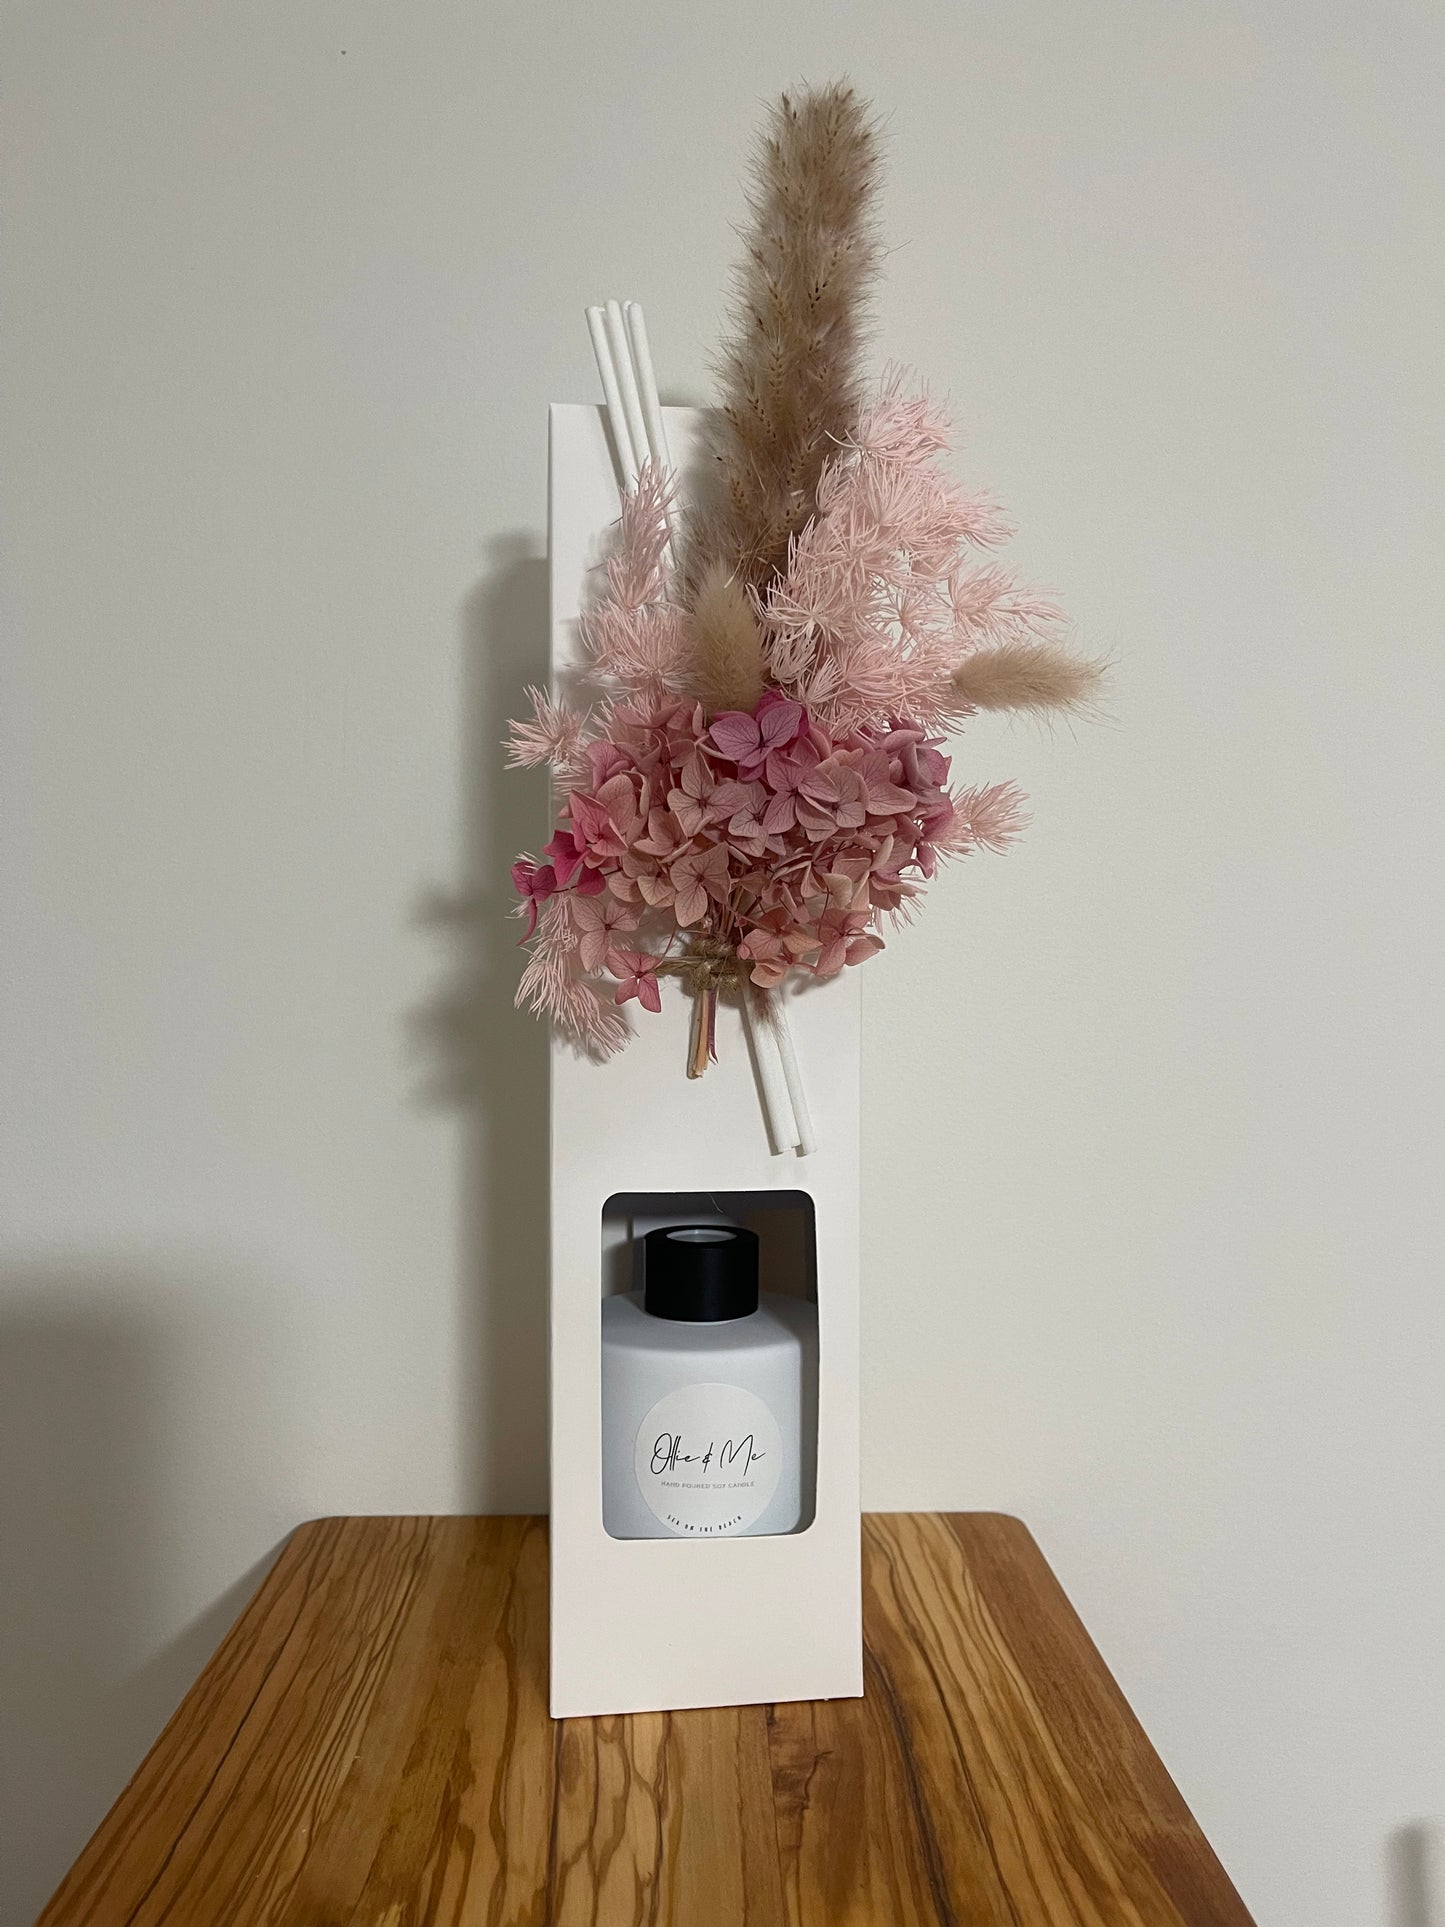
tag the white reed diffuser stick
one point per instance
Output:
(627, 381)
(647, 383)
(772, 1083)
(793, 1075)
(628, 461)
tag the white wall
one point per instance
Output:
(1152, 1223)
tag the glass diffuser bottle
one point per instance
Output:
(708, 1394)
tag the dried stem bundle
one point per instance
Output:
(762, 786)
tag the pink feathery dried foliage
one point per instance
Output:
(639, 645)
(636, 570)
(882, 610)
(554, 984)
(987, 817)
(636, 637)
(555, 736)
(790, 370)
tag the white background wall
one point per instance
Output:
(1152, 1221)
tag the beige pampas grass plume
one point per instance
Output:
(1026, 674)
(790, 370)
(727, 663)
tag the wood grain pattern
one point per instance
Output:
(370, 1747)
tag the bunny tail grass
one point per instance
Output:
(1026, 674)
(727, 666)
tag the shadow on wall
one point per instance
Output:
(490, 1059)
(1415, 1875)
(90, 1362)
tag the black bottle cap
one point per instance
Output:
(700, 1273)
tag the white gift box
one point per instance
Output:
(651, 1624)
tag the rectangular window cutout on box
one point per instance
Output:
(709, 1309)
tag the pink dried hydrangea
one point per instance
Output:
(787, 842)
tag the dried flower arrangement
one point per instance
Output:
(763, 785)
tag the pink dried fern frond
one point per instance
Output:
(642, 649)
(554, 985)
(637, 571)
(555, 735)
(990, 606)
(988, 817)
(900, 426)
(634, 635)
(879, 609)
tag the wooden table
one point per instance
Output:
(371, 1748)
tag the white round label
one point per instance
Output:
(708, 1459)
